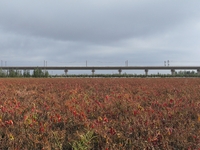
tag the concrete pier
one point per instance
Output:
(146, 72)
(198, 71)
(173, 72)
(93, 71)
(66, 71)
(120, 71)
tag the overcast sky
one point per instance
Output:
(103, 32)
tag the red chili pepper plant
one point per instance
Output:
(100, 113)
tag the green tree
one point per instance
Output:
(26, 73)
(2, 73)
(37, 73)
(46, 74)
(12, 73)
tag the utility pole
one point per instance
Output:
(126, 63)
(86, 63)
(44, 66)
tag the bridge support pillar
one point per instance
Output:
(173, 72)
(120, 71)
(146, 72)
(198, 71)
(93, 71)
(66, 71)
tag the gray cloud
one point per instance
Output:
(88, 21)
(102, 32)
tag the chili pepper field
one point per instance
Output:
(99, 113)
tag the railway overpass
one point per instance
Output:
(93, 68)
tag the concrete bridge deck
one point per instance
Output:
(93, 68)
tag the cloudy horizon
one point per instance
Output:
(103, 33)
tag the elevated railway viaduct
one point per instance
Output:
(93, 68)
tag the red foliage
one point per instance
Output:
(122, 113)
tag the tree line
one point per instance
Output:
(37, 73)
